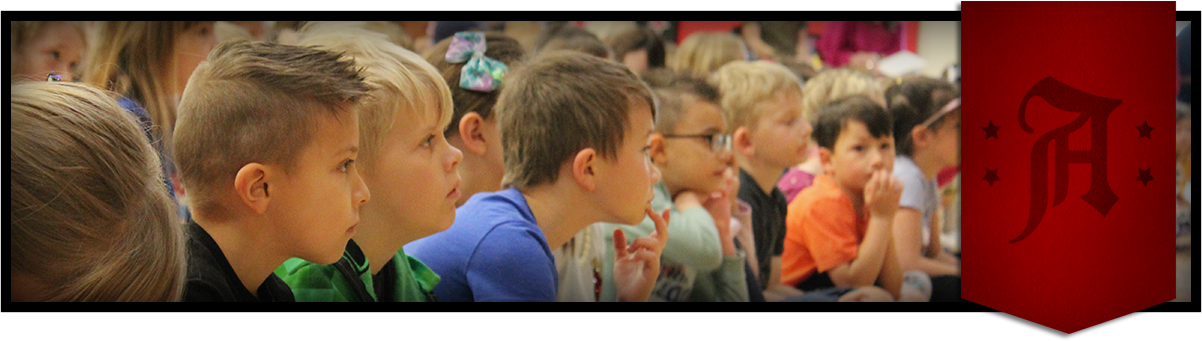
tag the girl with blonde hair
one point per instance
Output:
(148, 64)
(89, 219)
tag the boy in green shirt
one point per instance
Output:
(405, 158)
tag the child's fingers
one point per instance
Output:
(643, 243)
(619, 244)
(650, 258)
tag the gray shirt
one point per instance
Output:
(920, 193)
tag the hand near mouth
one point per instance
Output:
(636, 267)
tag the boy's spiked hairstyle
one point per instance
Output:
(256, 102)
(836, 115)
(559, 104)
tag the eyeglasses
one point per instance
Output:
(717, 142)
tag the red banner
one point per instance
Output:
(1068, 159)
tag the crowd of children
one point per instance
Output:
(370, 161)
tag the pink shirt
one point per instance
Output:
(841, 39)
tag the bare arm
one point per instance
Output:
(881, 196)
(891, 272)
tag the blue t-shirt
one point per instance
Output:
(493, 252)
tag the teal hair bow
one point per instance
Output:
(480, 73)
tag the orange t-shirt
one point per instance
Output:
(823, 231)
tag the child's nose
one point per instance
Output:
(455, 156)
(361, 194)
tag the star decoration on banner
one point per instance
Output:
(1145, 131)
(1145, 175)
(991, 130)
(991, 176)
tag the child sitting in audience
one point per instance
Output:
(90, 218)
(827, 87)
(692, 150)
(761, 103)
(587, 164)
(926, 122)
(404, 159)
(266, 143)
(839, 229)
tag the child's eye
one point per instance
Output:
(857, 148)
(428, 141)
(346, 165)
(54, 54)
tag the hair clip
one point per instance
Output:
(54, 77)
(480, 73)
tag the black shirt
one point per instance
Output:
(768, 213)
(212, 279)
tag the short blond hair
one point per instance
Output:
(831, 85)
(256, 102)
(559, 104)
(703, 53)
(90, 216)
(403, 83)
(744, 86)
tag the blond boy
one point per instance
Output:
(404, 158)
(266, 140)
(574, 132)
(762, 105)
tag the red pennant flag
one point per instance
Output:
(1068, 208)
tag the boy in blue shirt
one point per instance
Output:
(574, 133)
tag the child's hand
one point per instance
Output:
(636, 267)
(720, 204)
(882, 194)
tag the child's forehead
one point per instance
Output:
(856, 130)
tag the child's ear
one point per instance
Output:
(657, 148)
(252, 187)
(920, 136)
(742, 141)
(584, 168)
(471, 132)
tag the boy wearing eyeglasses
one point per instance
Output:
(692, 151)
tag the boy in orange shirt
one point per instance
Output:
(839, 229)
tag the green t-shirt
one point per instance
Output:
(403, 279)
